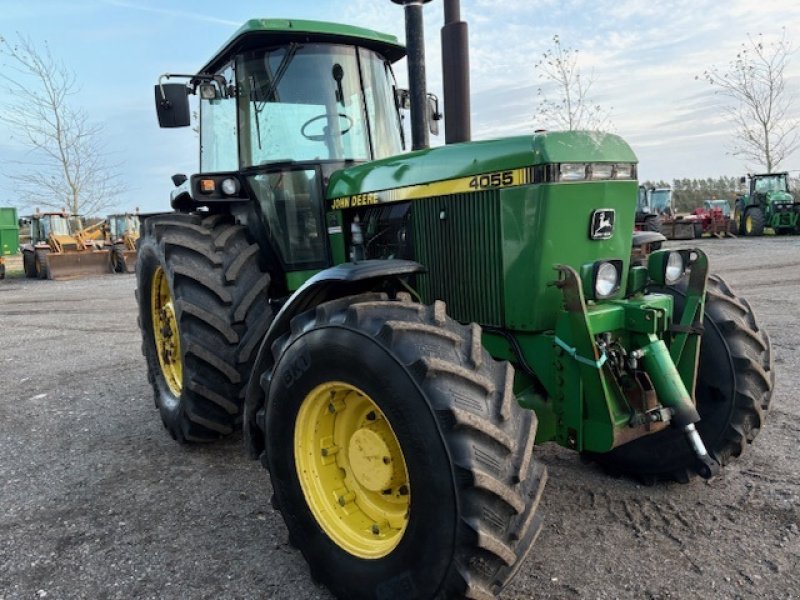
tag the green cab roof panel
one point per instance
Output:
(475, 158)
(264, 32)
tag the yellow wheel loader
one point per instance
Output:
(123, 232)
(61, 248)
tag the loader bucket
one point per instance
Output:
(71, 265)
(678, 230)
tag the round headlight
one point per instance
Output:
(229, 186)
(606, 281)
(675, 268)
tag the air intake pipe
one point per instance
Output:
(415, 54)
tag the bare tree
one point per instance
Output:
(564, 101)
(760, 107)
(66, 164)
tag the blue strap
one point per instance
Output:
(573, 352)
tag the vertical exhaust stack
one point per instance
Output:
(455, 75)
(415, 53)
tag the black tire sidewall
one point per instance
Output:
(149, 259)
(419, 564)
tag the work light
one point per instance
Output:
(674, 269)
(623, 171)
(606, 279)
(668, 267)
(229, 186)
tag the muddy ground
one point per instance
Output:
(96, 501)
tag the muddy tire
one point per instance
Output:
(733, 392)
(465, 442)
(753, 222)
(41, 264)
(210, 272)
(28, 264)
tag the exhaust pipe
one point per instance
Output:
(415, 54)
(455, 75)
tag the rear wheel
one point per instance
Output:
(28, 264)
(733, 392)
(399, 457)
(754, 222)
(42, 264)
(203, 310)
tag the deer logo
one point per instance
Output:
(602, 224)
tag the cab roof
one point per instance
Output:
(257, 33)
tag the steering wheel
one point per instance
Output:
(322, 137)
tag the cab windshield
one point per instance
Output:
(776, 183)
(55, 224)
(660, 200)
(315, 102)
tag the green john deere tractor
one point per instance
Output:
(768, 204)
(396, 331)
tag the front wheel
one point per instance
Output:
(733, 392)
(754, 222)
(29, 264)
(203, 310)
(400, 460)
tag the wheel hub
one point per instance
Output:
(165, 332)
(370, 459)
(351, 470)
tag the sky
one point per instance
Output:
(644, 57)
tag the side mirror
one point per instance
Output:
(434, 116)
(172, 105)
(177, 179)
(743, 180)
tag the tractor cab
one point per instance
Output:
(661, 201)
(122, 225)
(43, 225)
(282, 106)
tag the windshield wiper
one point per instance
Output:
(273, 86)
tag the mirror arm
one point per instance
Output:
(195, 80)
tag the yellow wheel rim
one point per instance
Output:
(351, 470)
(748, 224)
(165, 332)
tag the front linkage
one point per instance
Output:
(633, 356)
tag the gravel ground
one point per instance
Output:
(96, 501)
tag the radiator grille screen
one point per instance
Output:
(458, 238)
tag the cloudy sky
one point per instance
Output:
(644, 56)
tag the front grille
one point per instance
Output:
(458, 238)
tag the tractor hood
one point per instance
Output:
(456, 161)
(779, 198)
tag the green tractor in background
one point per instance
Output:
(395, 331)
(768, 204)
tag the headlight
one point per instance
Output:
(668, 267)
(230, 186)
(606, 279)
(675, 268)
(572, 172)
(623, 171)
(602, 170)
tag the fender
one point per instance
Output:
(336, 282)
